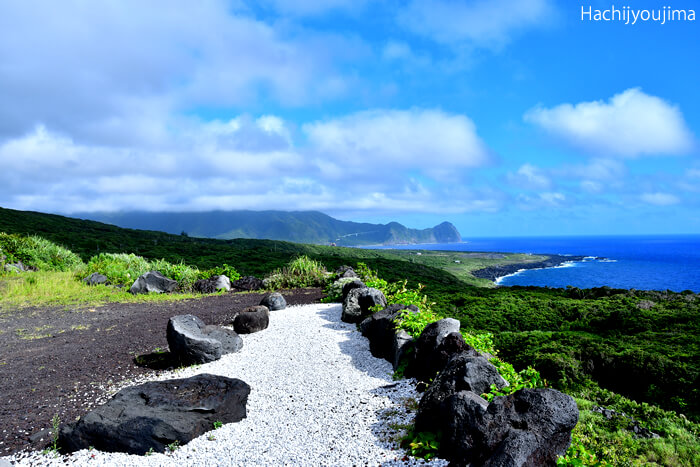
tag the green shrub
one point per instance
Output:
(527, 378)
(184, 275)
(120, 268)
(400, 293)
(334, 290)
(425, 445)
(300, 272)
(38, 253)
(225, 270)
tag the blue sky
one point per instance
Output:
(505, 117)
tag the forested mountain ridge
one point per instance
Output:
(294, 226)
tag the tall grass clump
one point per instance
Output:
(184, 275)
(123, 268)
(300, 272)
(37, 253)
(120, 268)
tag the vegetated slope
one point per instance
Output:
(297, 226)
(249, 256)
(642, 344)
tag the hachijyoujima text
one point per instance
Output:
(629, 15)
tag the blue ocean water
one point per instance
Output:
(658, 262)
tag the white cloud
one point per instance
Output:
(530, 177)
(552, 198)
(392, 140)
(488, 23)
(660, 199)
(630, 124)
(380, 160)
(544, 200)
(116, 73)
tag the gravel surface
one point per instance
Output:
(318, 398)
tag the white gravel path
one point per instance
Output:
(318, 397)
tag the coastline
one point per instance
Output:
(496, 273)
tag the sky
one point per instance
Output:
(504, 117)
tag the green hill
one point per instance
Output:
(296, 226)
(250, 256)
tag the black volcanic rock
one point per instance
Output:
(156, 414)
(191, 341)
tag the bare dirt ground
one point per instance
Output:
(61, 362)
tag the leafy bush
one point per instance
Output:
(38, 253)
(120, 268)
(482, 342)
(414, 323)
(300, 272)
(184, 275)
(334, 290)
(527, 378)
(422, 444)
(400, 293)
(225, 270)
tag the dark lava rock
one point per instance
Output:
(467, 371)
(345, 271)
(252, 319)
(248, 283)
(531, 427)
(400, 344)
(158, 413)
(429, 357)
(274, 301)
(153, 281)
(355, 284)
(358, 302)
(385, 340)
(213, 284)
(191, 341)
(96, 279)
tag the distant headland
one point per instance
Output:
(293, 226)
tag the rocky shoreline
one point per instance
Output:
(494, 272)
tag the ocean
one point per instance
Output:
(658, 262)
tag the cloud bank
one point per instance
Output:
(631, 124)
(377, 160)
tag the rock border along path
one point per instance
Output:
(318, 398)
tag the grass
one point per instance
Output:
(37, 252)
(298, 273)
(51, 288)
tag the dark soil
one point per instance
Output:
(62, 362)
